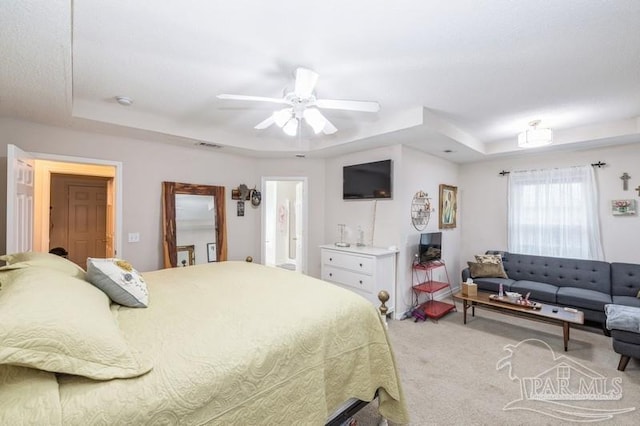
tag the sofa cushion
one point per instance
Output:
(626, 336)
(539, 291)
(582, 298)
(493, 284)
(626, 300)
(560, 272)
(625, 279)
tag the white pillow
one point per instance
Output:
(117, 278)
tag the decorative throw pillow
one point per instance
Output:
(53, 322)
(488, 258)
(46, 260)
(117, 278)
(486, 270)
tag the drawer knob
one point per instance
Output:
(361, 265)
(330, 274)
(360, 281)
(331, 259)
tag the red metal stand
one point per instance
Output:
(423, 283)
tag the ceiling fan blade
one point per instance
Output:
(305, 82)
(251, 98)
(365, 106)
(329, 128)
(266, 123)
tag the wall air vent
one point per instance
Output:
(208, 145)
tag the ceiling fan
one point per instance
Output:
(303, 104)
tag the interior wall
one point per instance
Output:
(424, 172)
(484, 192)
(360, 213)
(146, 164)
(412, 171)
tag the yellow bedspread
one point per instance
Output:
(239, 343)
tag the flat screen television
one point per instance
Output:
(430, 248)
(367, 181)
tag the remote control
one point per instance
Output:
(574, 310)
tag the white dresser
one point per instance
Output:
(364, 270)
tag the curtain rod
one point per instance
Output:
(598, 164)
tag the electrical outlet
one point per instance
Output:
(134, 237)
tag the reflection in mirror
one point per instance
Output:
(186, 255)
(195, 223)
(193, 215)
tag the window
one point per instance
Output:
(554, 212)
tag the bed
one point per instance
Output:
(221, 343)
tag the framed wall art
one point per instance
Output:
(448, 213)
(623, 207)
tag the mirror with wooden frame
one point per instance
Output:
(199, 220)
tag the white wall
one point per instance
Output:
(412, 171)
(145, 165)
(424, 172)
(484, 199)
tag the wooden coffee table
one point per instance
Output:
(544, 313)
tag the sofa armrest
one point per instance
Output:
(465, 274)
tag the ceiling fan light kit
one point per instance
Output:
(303, 105)
(535, 136)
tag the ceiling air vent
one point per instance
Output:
(208, 145)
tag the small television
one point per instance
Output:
(367, 181)
(430, 247)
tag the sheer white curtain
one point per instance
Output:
(554, 212)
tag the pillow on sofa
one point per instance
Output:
(488, 258)
(53, 322)
(486, 270)
(46, 260)
(117, 278)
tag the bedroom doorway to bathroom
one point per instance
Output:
(284, 222)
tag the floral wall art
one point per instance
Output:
(623, 207)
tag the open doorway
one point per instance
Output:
(29, 202)
(284, 222)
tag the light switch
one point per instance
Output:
(134, 237)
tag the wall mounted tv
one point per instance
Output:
(367, 181)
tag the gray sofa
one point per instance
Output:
(587, 285)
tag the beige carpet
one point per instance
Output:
(449, 373)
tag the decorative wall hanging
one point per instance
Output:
(625, 181)
(242, 192)
(240, 210)
(623, 207)
(420, 210)
(256, 198)
(447, 216)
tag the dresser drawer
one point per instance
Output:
(360, 264)
(348, 278)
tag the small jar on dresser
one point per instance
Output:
(363, 270)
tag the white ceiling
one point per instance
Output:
(460, 75)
